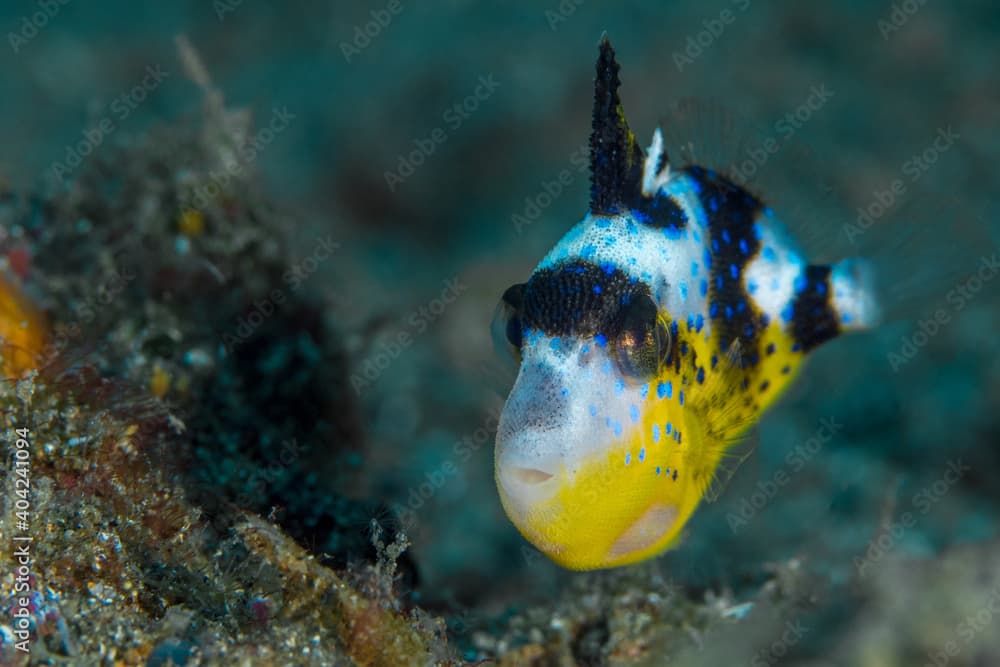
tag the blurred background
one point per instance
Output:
(412, 155)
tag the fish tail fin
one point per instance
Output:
(853, 294)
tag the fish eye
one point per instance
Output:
(643, 340)
(506, 328)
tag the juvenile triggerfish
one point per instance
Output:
(651, 338)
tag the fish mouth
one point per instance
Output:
(527, 479)
(530, 476)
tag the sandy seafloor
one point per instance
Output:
(876, 546)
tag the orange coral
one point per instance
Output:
(23, 331)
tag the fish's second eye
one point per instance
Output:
(643, 340)
(506, 328)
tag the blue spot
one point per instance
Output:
(601, 340)
(619, 387)
(751, 287)
(587, 251)
(597, 289)
(800, 283)
(699, 322)
(593, 410)
(713, 310)
(680, 396)
(741, 306)
(656, 432)
(628, 458)
(642, 454)
(554, 343)
(703, 287)
(610, 240)
(725, 235)
(743, 247)
(606, 366)
(715, 361)
(713, 204)
(821, 288)
(694, 269)
(690, 322)
(787, 313)
(796, 347)
(758, 229)
(684, 291)
(630, 226)
(669, 427)
(585, 348)
(706, 259)
(633, 412)
(608, 267)
(602, 222)
(664, 389)
(618, 429)
(715, 245)
(644, 390)
(684, 348)
(734, 270)
(701, 375)
(564, 391)
(674, 329)
(657, 470)
(768, 254)
(845, 318)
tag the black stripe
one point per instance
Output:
(814, 320)
(660, 211)
(731, 212)
(578, 298)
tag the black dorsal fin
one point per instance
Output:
(616, 160)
